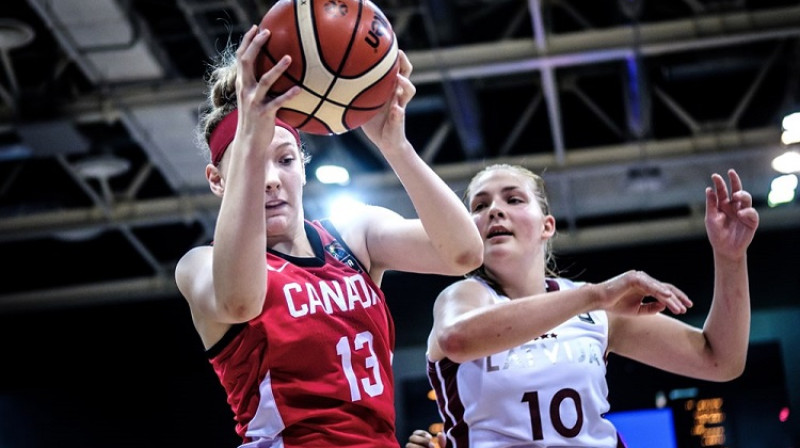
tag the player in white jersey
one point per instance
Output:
(490, 401)
(517, 356)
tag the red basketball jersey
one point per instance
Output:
(314, 368)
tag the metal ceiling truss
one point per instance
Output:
(452, 66)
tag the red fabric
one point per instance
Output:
(314, 368)
(223, 134)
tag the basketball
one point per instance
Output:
(344, 58)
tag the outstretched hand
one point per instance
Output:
(731, 220)
(625, 294)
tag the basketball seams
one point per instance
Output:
(391, 50)
(334, 100)
(390, 54)
(298, 35)
(315, 87)
(266, 51)
(350, 42)
(347, 90)
(321, 108)
(313, 61)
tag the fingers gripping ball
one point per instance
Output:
(344, 57)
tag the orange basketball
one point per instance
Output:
(344, 57)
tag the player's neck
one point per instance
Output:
(520, 282)
(295, 244)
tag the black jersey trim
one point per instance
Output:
(232, 332)
(328, 225)
(316, 245)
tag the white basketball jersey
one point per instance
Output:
(548, 392)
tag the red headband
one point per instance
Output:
(223, 134)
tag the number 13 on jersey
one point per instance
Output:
(371, 383)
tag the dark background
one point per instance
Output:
(135, 373)
(625, 106)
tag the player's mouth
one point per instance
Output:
(496, 231)
(274, 204)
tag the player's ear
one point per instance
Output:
(549, 226)
(215, 180)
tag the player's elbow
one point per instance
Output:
(724, 362)
(455, 345)
(731, 371)
(723, 376)
(240, 307)
(469, 260)
(240, 312)
(726, 369)
(472, 256)
(465, 261)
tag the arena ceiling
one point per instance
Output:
(626, 107)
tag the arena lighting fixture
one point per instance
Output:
(782, 190)
(14, 34)
(102, 167)
(787, 163)
(344, 207)
(791, 129)
(790, 136)
(78, 235)
(332, 174)
(334, 163)
(791, 121)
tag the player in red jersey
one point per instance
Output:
(291, 310)
(517, 356)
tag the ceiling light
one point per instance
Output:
(782, 190)
(791, 128)
(332, 174)
(785, 182)
(15, 34)
(102, 167)
(791, 122)
(790, 136)
(343, 208)
(78, 235)
(788, 162)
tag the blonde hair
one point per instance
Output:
(221, 99)
(539, 189)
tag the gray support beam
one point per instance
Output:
(577, 164)
(594, 46)
(509, 56)
(162, 287)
